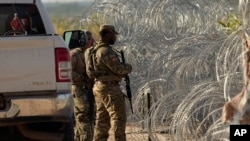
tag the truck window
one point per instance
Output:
(21, 19)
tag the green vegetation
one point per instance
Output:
(230, 23)
(66, 16)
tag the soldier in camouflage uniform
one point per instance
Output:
(109, 98)
(82, 91)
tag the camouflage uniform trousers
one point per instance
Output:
(110, 112)
(83, 124)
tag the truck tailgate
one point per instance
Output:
(27, 64)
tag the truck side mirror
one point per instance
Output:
(75, 38)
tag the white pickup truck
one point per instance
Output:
(35, 74)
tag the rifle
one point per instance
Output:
(128, 89)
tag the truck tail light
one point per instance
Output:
(63, 65)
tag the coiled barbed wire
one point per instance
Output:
(184, 64)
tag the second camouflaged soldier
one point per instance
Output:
(82, 91)
(109, 98)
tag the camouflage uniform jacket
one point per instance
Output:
(79, 76)
(107, 61)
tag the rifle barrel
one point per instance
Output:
(128, 89)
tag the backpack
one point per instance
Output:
(89, 56)
(90, 61)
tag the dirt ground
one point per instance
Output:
(136, 134)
